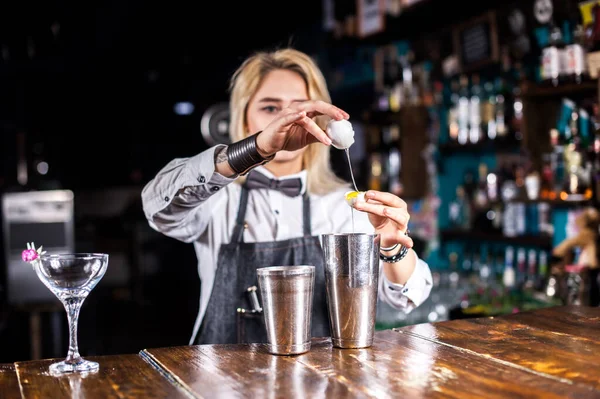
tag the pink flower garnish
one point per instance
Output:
(29, 255)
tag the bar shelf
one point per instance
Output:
(539, 240)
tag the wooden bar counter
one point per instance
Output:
(549, 353)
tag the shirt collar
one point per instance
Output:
(302, 175)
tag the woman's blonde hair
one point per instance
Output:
(246, 81)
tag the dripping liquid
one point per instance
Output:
(353, 182)
(350, 167)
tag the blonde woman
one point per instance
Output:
(265, 199)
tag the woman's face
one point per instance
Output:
(279, 89)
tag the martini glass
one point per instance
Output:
(71, 277)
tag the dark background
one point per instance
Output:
(108, 82)
(96, 101)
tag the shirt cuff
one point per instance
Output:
(185, 181)
(414, 292)
(202, 175)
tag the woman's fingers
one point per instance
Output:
(276, 136)
(398, 215)
(311, 127)
(288, 119)
(266, 140)
(313, 108)
(385, 198)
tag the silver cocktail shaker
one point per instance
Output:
(287, 297)
(351, 280)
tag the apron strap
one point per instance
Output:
(306, 215)
(238, 230)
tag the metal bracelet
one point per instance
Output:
(244, 156)
(397, 257)
(394, 258)
(389, 248)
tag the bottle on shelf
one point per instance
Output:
(460, 210)
(463, 110)
(521, 267)
(411, 93)
(467, 262)
(516, 117)
(575, 58)
(469, 183)
(481, 202)
(596, 168)
(492, 181)
(593, 44)
(576, 184)
(475, 110)
(375, 174)
(453, 112)
(485, 269)
(501, 114)
(393, 85)
(494, 214)
(531, 277)
(513, 216)
(499, 262)
(552, 57)
(391, 140)
(557, 163)
(508, 275)
(542, 273)
(488, 108)
(547, 178)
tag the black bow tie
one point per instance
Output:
(290, 187)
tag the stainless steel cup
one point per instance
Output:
(287, 297)
(351, 282)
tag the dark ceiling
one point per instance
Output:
(96, 97)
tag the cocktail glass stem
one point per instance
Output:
(72, 306)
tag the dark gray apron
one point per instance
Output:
(236, 271)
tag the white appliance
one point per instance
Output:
(42, 217)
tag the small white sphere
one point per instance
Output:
(341, 133)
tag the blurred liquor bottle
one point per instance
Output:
(552, 57)
(463, 110)
(475, 110)
(393, 158)
(596, 168)
(460, 210)
(592, 33)
(576, 185)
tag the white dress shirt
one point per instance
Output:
(189, 201)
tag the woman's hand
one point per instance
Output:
(293, 128)
(389, 216)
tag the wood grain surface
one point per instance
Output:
(397, 365)
(9, 383)
(548, 353)
(247, 370)
(122, 376)
(557, 343)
